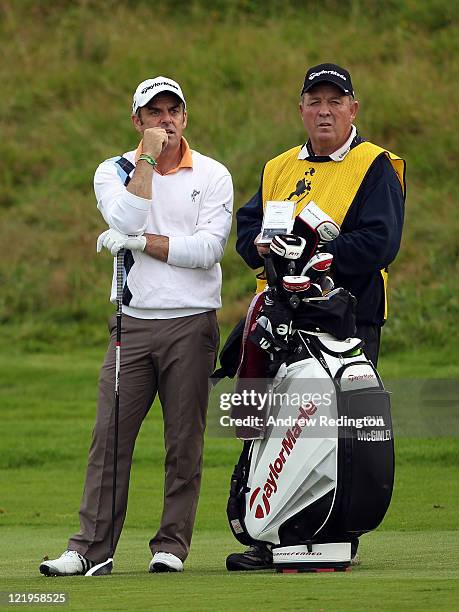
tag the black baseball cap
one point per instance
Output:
(328, 73)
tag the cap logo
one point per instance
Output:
(145, 89)
(317, 74)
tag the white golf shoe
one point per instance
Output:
(165, 562)
(70, 563)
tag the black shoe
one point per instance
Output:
(257, 557)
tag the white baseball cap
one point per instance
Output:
(150, 88)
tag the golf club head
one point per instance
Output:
(285, 253)
(318, 264)
(287, 246)
(296, 284)
(101, 569)
(318, 221)
(327, 284)
(296, 288)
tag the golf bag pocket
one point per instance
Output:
(365, 462)
(365, 452)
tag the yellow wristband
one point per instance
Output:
(148, 158)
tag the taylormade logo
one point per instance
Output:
(145, 89)
(360, 377)
(317, 74)
(275, 469)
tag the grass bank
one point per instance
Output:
(68, 72)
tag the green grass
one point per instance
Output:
(48, 403)
(399, 571)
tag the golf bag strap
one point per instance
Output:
(314, 349)
(235, 509)
(238, 473)
(125, 168)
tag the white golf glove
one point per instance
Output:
(114, 241)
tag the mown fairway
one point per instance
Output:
(410, 563)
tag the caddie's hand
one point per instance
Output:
(263, 249)
(154, 141)
(114, 241)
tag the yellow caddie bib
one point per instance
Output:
(331, 185)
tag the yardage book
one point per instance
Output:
(278, 218)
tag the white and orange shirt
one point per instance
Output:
(192, 205)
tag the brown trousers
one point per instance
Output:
(174, 358)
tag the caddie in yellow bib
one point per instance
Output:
(360, 185)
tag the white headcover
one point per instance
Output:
(319, 221)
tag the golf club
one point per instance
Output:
(296, 287)
(327, 284)
(104, 568)
(318, 265)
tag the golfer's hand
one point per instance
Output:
(154, 141)
(114, 241)
(263, 249)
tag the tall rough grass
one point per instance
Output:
(68, 71)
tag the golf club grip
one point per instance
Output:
(270, 271)
(119, 278)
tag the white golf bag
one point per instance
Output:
(312, 486)
(320, 471)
